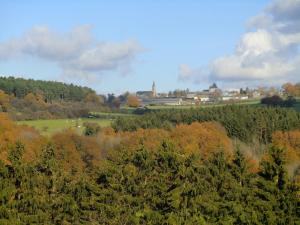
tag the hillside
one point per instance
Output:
(51, 90)
(35, 99)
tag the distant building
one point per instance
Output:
(147, 94)
(154, 94)
(162, 101)
(246, 97)
(229, 97)
(204, 99)
(162, 95)
(213, 88)
(144, 94)
(192, 95)
(255, 94)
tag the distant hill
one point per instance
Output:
(51, 90)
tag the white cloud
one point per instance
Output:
(268, 51)
(76, 52)
(196, 75)
(185, 72)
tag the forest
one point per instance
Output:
(247, 123)
(231, 164)
(51, 90)
(28, 99)
(150, 112)
(222, 165)
(33, 99)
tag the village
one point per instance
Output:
(212, 95)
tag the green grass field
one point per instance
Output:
(111, 115)
(49, 127)
(250, 102)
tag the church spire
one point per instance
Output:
(153, 89)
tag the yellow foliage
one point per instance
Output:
(66, 151)
(93, 98)
(204, 138)
(290, 141)
(4, 101)
(200, 138)
(133, 101)
(35, 99)
(10, 133)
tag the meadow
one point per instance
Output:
(104, 119)
(255, 102)
(49, 127)
(206, 105)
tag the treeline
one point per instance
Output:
(161, 187)
(50, 90)
(141, 179)
(277, 101)
(27, 99)
(33, 106)
(247, 123)
(33, 99)
(291, 89)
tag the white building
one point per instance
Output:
(162, 101)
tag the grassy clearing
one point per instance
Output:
(111, 115)
(49, 127)
(158, 107)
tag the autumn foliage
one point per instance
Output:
(4, 101)
(133, 101)
(187, 174)
(292, 89)
(10, 133)
(290, 141)
(198, 138)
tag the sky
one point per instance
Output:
(117, 46)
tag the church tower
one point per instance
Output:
(153, 90)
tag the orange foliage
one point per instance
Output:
(32, 141)
(93, 98)
(150, 138)
(4, 101)
(253, 164)
(74, 152)
(107, 131)
(35, 99)
(290, 141)
(291, 89)
(10, 133)
(133, 101)
(203, 138)
(67, 151)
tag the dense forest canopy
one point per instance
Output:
(152, 176)
(217, 165)
(27, 99)
(34, 99)
(243, 122)
(51, 90)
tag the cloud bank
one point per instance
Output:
(268, 51)
(77, 53)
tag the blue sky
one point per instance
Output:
(160, 38)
